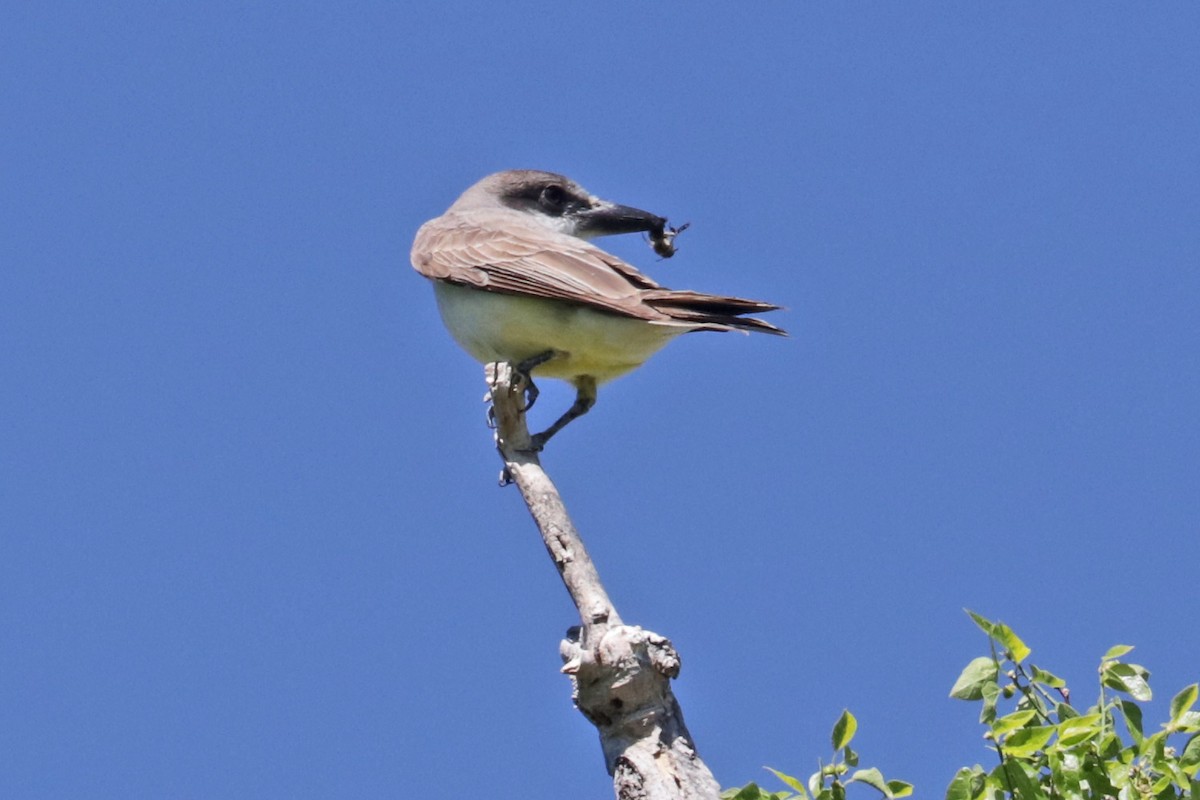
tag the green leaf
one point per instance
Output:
(850, 757)
(1065, 712)
(1133, 720)
(1028, 740)
(1013, 775)
(1048, 679)
(1116, 651)
(1189, 760)
(1018, 651)
(1154, 746)
(815, 782)
(1109, 746)
(1189, 722)
(794, 783)
(1160, 784)
(1064, 770)
(871, 777)
(1099, 784)
(985, 625)
(1183, 701)
(969, 685)
(1010, 722)
(1003, 634)
(965, 785)
(843, 730)
(979, 782)
(1080, 729)
(1129, 678)
(991, 694)
(899, 788)
(960, 786)
(1170, 766)
(748, 792)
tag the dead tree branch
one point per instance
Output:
(620, 674)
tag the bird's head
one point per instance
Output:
(558, 203)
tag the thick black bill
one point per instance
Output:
(607, 219)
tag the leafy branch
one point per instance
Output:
(1046, 748)
(830, 780)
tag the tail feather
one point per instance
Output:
(715, 312)
(724, 322)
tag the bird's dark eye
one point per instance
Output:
(553, 199)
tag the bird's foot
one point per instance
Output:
(529, 389)
(585, 398)
(524, 370)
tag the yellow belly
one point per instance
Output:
(504, 327)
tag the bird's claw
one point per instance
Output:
(506, 477)
(529, 390)
(525, 370)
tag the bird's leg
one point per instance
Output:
(585, 398)
(525, 369)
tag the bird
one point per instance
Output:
(517, 280)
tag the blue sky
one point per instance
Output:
(251, 543)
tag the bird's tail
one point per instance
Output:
(712, 312)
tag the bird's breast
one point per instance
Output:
(504, 327)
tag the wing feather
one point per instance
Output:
(496, 252)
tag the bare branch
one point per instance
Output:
(620, 674)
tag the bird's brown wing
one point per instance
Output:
(525, 260)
